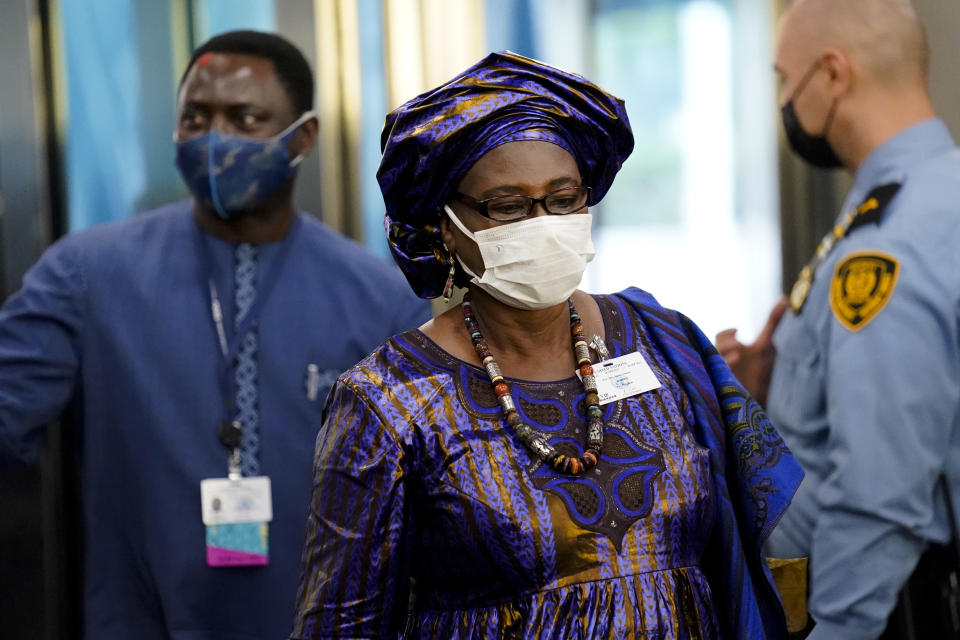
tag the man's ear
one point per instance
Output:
(840, 70)
(305, 138)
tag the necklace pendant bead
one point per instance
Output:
(540, 448)
(506, 403)
(595, 434)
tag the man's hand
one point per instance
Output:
(753, 364)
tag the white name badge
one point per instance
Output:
(622, 377)
(226, 501)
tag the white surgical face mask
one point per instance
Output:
(532, 264)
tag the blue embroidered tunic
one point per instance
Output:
(117, 318)
(418, 481)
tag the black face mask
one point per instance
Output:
(813, 149)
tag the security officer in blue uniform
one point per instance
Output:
(865, 385)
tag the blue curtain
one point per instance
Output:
(105, 170)
(374, 90)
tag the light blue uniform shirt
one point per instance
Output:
(873, 415)
(117, 318)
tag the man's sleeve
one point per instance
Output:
(39, 351)
(893, 392)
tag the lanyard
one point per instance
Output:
(229, 348)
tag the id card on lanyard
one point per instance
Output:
(236, 510)
(621, 377)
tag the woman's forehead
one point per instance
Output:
(527, 163)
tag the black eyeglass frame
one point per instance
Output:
(480, 206)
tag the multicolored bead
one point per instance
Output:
(582, 353)
(589, 459)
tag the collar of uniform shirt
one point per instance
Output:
(904, 150)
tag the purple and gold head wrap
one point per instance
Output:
(431, 142)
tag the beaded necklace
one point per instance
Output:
(534, 440)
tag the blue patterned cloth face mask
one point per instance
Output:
(234, 174)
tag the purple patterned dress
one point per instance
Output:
(418, 481)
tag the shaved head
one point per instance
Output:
(883, 37)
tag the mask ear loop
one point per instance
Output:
(453, 217)
(307, 115)
(826, 127)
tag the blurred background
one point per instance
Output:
(710, 213)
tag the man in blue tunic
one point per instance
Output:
(193, 342)
(865, 385)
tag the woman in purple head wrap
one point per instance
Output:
(538, 462)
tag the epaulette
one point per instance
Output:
(871, 209)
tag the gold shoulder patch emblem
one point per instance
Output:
(862, 285)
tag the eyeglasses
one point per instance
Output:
(513, 208)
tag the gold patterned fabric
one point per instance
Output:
(418, 478)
